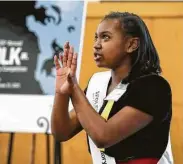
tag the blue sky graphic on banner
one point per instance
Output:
(69, 29)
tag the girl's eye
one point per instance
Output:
(105, 37)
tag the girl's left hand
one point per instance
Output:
(66, 74)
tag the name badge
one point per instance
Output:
(117, 92)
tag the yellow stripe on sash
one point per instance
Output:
(105, 113)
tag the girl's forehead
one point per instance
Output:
(111, 25)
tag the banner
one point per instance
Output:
(30, 34)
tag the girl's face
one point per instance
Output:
(110, 48)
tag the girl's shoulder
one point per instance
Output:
(151, 80)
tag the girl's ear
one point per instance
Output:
(132, 44)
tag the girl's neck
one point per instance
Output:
(119, 74)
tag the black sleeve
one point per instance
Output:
(152, 95)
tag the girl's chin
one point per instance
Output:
(101, 65)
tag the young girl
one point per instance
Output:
(126, 112)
